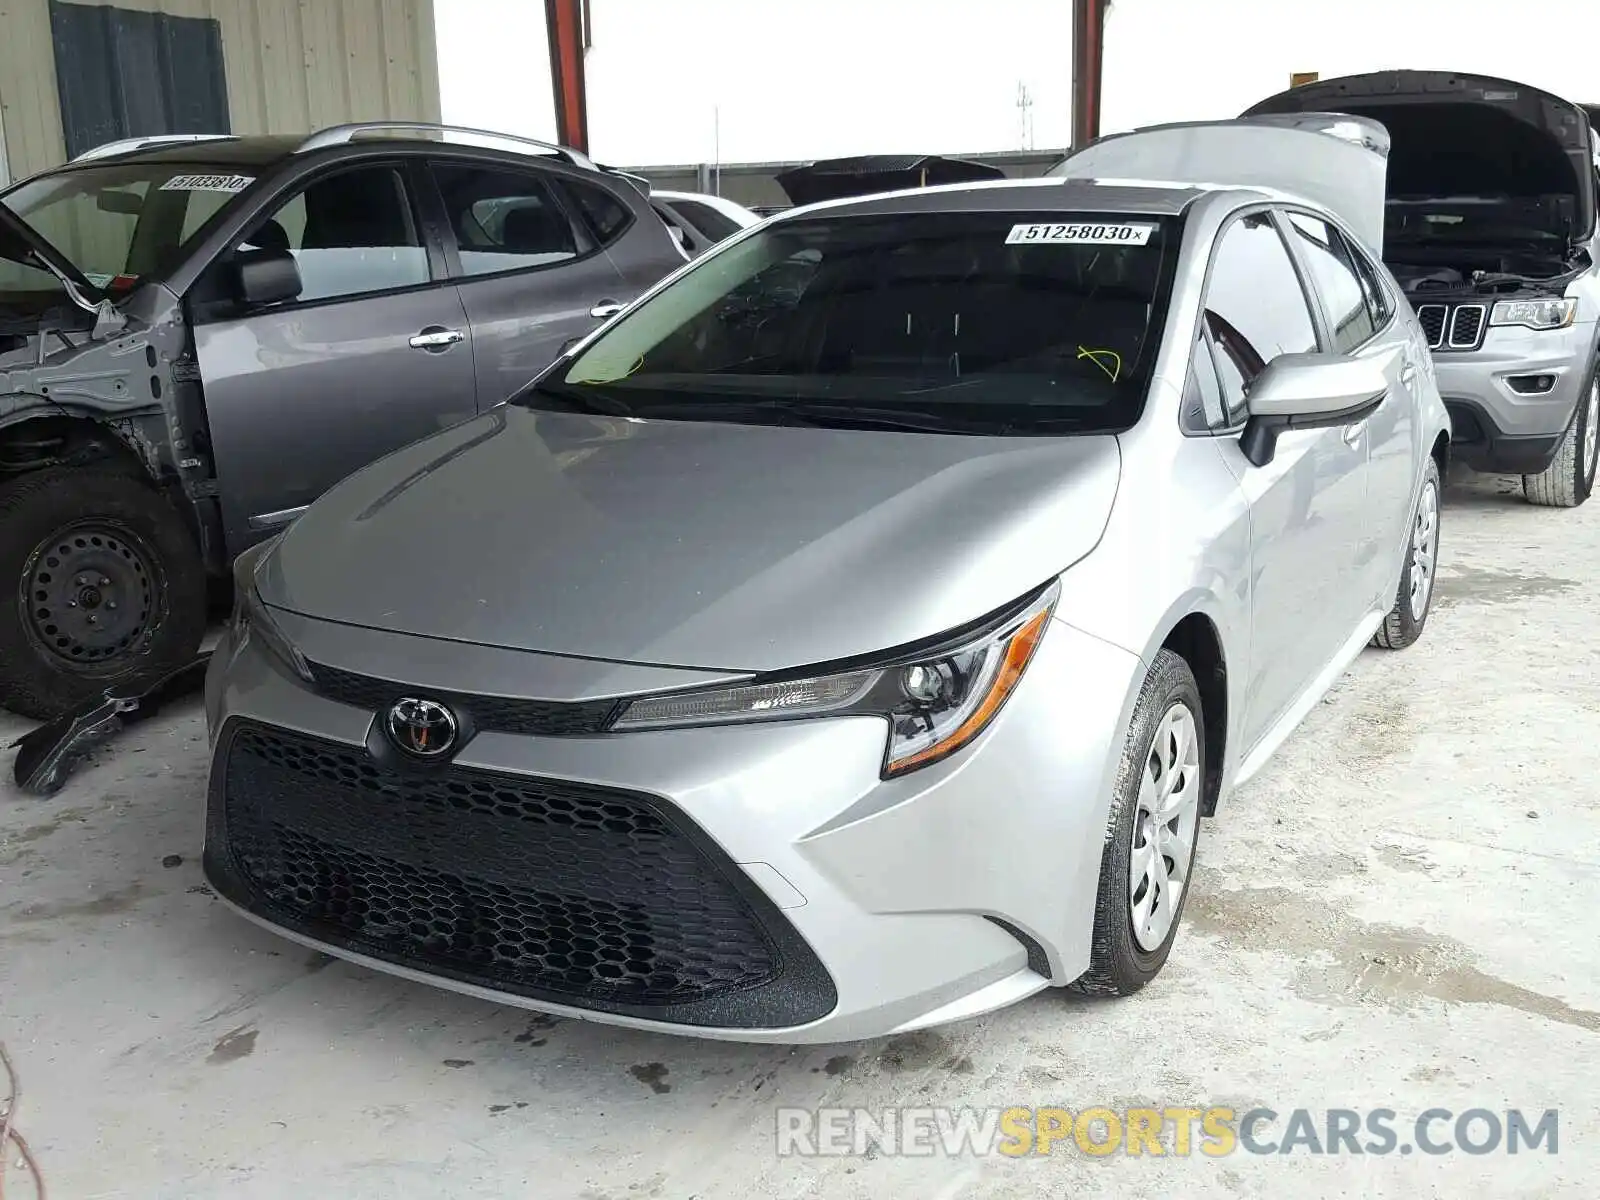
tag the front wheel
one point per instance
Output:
(1148, 860)
(99, 581)
(1569, 480)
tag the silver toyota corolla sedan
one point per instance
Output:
(850, 636)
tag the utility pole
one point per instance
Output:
(1025, 107)
(1088, 51)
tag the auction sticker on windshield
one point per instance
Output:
(1082, 235)
(208, 183)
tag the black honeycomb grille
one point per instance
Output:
(579, 895)
(495, 713)
(1433, 318)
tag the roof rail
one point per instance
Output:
(339, 135)
(128, 145)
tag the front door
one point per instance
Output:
(1306, 505)
(375, 352)
(1358, 317)
(532, 275)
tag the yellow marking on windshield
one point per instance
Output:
(1097, 357)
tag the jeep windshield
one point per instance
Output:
(113, 224)
(950, 322)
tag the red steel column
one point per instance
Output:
(564, 22)
(1088, 52)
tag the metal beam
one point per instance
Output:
(567, 26)
(1088, 52)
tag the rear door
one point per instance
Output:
(1307, 593)
(531, 272)
(373, 354)
(1359, 320)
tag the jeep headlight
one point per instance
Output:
(935, 701)
(252, 620)
(1535, 314)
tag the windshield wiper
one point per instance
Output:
(577, 399)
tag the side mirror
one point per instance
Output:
(263, 277)
(1308, 391)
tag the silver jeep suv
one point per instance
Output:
(198, 337)
(1490, 227)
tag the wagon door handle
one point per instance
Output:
(606, 309)
(435, 338)
(1408, 374)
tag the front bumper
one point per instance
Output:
(816, 902)
(1497, 427)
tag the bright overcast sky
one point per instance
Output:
(801, 79)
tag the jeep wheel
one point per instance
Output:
(1569, 480)
(107, 581)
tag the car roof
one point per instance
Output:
(255, 151)
(1145, 197)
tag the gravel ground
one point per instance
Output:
(1391, 915)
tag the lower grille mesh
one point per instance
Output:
(581, 895)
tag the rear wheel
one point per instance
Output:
(1569, 480)
(1148, 859)
(1414, 601)
(107, 584)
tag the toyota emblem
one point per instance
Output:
(422, 728)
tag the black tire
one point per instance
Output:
(1569, 480)
(1118, 965)
(1402, 626)
(100, 580)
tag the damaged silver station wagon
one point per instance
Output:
(199, 336)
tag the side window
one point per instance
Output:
(504, 220)
(1255, 308)
(604, 213)
(1333, 274)
(350, 233)
(1203, 409)
(1372, 285)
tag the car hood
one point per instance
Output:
(1326, 158)
(1456, 135)
(692, 544)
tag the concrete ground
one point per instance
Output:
(1398, 913)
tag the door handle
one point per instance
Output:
(1352, 433)
(606, 309)
(1408, 374)
(436, 337)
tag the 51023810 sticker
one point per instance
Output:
(1093, 234)
(208, 183)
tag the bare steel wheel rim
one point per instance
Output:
(1424, 549)
(89, 596)
(1164, 827)
(1591, 431)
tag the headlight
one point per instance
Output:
(1535, 314)
(251, 618)
(935, 701)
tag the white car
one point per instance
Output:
(700, 221)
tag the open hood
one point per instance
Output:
(1334, 160)
(865, 175)
(20, 244)
(1454, 135)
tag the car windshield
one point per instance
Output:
(988, 323)
(117, 223)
